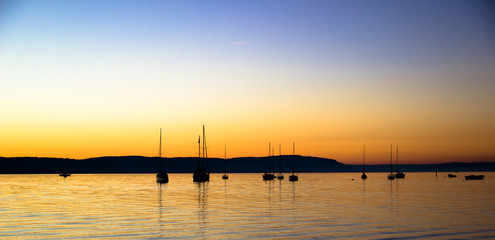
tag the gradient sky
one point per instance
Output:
(84, 79)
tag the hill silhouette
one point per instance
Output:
(140, 164)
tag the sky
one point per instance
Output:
(82, 79)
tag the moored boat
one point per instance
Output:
(268, 175)
(398, 174)
(225, 176)
(363, 176)
(474, 177)
(161, 176)
(280, 176)
(293, 177)
(201, 174)
(391, 175)
(65, 173)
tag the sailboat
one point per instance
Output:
(364, 164)
(398, 174)
(293, 177)
(391, 176)
(201, 174)
(269, 175)
(280, 176)
(65, 173)
(161, 176)
(225, 176)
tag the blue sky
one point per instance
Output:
(430, 63)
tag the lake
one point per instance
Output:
(319, 205)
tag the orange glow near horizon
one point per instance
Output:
(242, 140)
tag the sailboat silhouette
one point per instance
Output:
(280, 176)
(161, 176)
(201, 174)
(293, 177)
(399, 174)
(65, 173)
(269, 175)
(225, 176)
(364, 164)
(391, 176)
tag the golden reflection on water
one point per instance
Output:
(326, 205)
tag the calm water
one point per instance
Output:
(320, 205)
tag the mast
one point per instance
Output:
(199, 151)
(205, 152)
(160, 152)
(364, 157)
(390, 158)
(272, 161)
(363, 176)
(397, 158)
(269, 155)
(280, 158)
(225, 160)
(293, 153)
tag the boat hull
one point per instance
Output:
(200, 175)
(162, 177)
(293, 178)
(474, 177)
(268, 176)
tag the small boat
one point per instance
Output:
(450, 175)
(391, 175)
(65, 173)
(474, 177)
(161, 176)
(363, 176)
(268, 176)
(225, 176)
(399, 174)
(200, 174)
(293, 177)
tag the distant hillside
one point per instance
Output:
(139, 164)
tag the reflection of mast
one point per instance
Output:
(202, 206)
